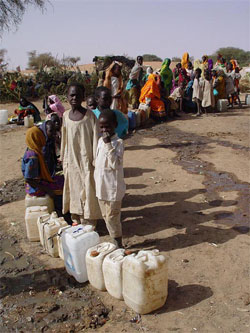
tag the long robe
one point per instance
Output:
(78, 149)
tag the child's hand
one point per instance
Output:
(106, 137)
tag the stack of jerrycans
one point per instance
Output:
(75, 243)
(48, 227)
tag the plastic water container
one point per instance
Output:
(59, 240)
(94, 260)
(40, 201)
(131, 120)
(138, 118)
(146, 108)
(40, 224)
(29, 121)
(222, 105)
(145, 281)
(247, 99)
(112, 272)
(50, 231)
(3, 117)
(75, 242)
(31, 216)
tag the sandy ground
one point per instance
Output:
(187, 195)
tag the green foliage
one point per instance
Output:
(243, 57)
(11, 12)
(151, 57)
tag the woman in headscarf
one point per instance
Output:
(149, 71)
(134, 82)
(204, 65)
(35, 170)
(54, 105)
(166, 75)
(185, 60)
(114, 82)
(151, 90)
(27, 108)
(219, 84)
(197, 64)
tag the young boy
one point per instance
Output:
(91, 103)
(197, 91)
(207, 91)
(78, 149)
(109, 178)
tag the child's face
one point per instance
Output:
(107, 126)
(116, 70)
(75, 96)
(104, 100)
(91, 103)
(56, 121)
(140, 60)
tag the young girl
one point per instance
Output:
(197, 91)
(109, 178)
(78, 148)
(207, 91)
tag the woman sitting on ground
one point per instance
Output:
(27, 108)
(151, 90)
(39, 181)
(114, 82)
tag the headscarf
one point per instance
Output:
(135, 71)
(149, 70)
(108, 75)
(57, 106)
(185, 60)
(35, 140)
(234, 63)
(210, 64)
(197, 64)
(206, 59)
(151, 88)
(166, 73)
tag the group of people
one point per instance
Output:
(86, 144)
(191, 87)
(91, 185)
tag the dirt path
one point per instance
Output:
(187, 195)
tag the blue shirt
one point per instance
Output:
(122, 127)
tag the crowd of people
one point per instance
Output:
(85, 144)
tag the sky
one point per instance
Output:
(87, 28)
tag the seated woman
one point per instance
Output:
(114, 82)
(188, 104)
(52, 104)
(35, 170)
(27, 108)
(151, 90)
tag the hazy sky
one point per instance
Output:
(87, 28)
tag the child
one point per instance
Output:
(230, 88)
(197, 91)
(176, 98)
(91, 103)
(78, 148)
(58, 124)
(109, 178)
(207, 92)
(103, 99)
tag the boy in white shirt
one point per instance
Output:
(109, 176)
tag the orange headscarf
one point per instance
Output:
(185, 60)
(151, 90)
(35, 140)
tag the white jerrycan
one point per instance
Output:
(50, 235)
(31, 216)
(94, 260)
(59, 240)
(41, 221)
(145, 281)
(112, 272)
(39, 201)
(75, 242)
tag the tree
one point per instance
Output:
(243, 57)
(37, 61)
(176, 59)
(12, 11)
(151, 57)
(3, 64)
(70, 61)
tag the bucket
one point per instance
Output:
(3, 117)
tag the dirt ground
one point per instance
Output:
(187, 195)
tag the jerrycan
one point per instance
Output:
(112, 272)
(31, 216)
(59, 240)
(50, 235)
(39, 201)
(145, 281)
(75, 242)
(94, 260)
(222, 105)
(247, 99)
(137, 118)
(29, 121)
(41, 221)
